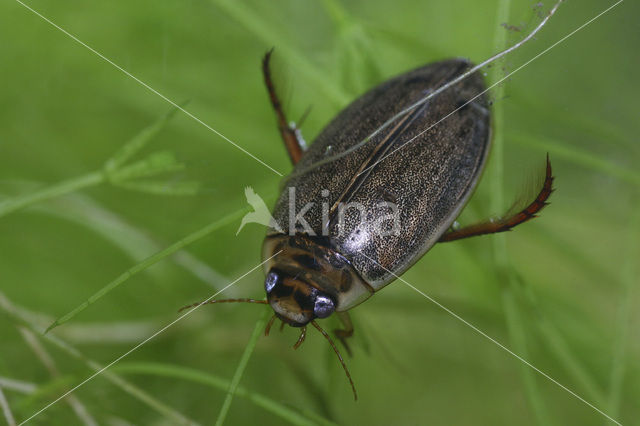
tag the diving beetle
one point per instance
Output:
(426, 161)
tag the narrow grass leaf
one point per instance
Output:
(557, 115)
(244, 360)
(264, 31)
(17, 385)
(158, 163)
(355, 55)
(198, 376)
(45, 391)
(12, 204)
(163, 188)
(6, 410)
(558, 346)
(139, 141)
(49, 363)
(148, 262)
(517, 336)
(133, 241)
(16, 314)
(630, 277)
(575, 155)
(154, 164)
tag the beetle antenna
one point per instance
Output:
(269, 324)
(208, 302)
(303, 334)
(335, 349)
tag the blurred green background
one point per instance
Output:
(561, 291)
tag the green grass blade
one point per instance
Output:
(497, 150)
(354, 51)
(155, 164)
(630, 278)
(558, 346)
(6, 410)
(44, 392)
(163, 188)
(576, 155)
(12, 204)
(131, 240)
(557, 115)
(19, 386)
(15, 313)
(139, 141)
(517, 333)
(149, 261)
(84, 415)
(253, 23)
(244, 360)
(517, 336)
(197, 376)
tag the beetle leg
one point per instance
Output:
(267, 329)
(303, 334)
(290, 134)
(506, 223)
(346, 332)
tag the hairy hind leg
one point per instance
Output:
(507, 223)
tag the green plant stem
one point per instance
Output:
(19, 386)
(133, 241)
(57, 190)
(198, 376)
(558, 346)
(149, 261)
(114, 170)
(49, 363)
(630, 279)
(497, 150)
(517, 336)
(16, 315)
(255, 24)
(6, 410)
(576, 155)
(513, 314)
(244, 360)
(554, 114)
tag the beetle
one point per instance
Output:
(425, 160)
(332, 265)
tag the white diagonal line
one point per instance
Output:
(146, 86)
(491, 339)
(495, 84)
(146, 340)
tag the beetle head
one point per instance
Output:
(295, 301)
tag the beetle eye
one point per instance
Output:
(323, 306)
(271, 281)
